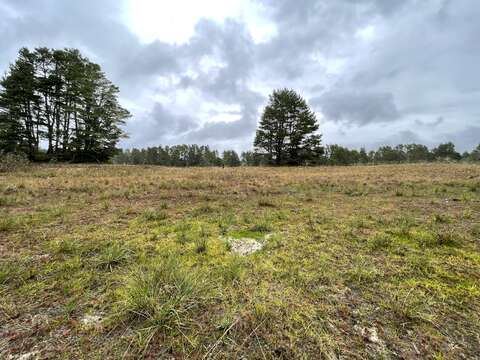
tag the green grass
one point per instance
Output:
(148, 250)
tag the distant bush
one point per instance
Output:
(11, 162)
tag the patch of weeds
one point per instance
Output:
(440, 237)
(223, 228)
(201, 244)
(362, 273)
(447, 237)
(203, 210)
(420, 264)
(261, 226)
(8, 223)
(264, 202)
(113, 255)
(380, 241)
(233, 270)
(441, 219)
(65, 246)
(182, 230)
(476, 230)
(161, 297)
(163, 206)
(399, 192)
(7, 272)
(69, 309)
(409, 304)
(154, 215)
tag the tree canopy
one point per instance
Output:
(286, 133)
(59, 101)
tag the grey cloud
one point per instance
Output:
(431, 124)
(357, 107)
(421, 64)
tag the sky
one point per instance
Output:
(376, 72)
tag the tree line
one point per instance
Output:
(57, 104)
(202, 155)
(178, 155)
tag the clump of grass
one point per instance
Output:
(476, 230)
(441, 219)
(154, 215)
(362, 274)
(6, 272)
(161, 297)
(201, 244)
(163, 206)
(264, 202)
(447, 237)
(439, 237)
(409, 304)
(233, 270)
(69, 309)
(262, 226)
(203, 210)
(380, 241)
(113, 255)
(66, 246)
(9, 223)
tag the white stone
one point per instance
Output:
(245, 246)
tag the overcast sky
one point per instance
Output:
(375, 71)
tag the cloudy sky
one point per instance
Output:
(375, 71)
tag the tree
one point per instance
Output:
(446, 152)
(286, 134)
(230, 158)
(60, 100)
(417, 152)
(475, 154)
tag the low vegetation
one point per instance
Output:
(107, 261)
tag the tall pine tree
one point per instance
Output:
(58, 104)
(286, 134)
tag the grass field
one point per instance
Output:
(129, 261)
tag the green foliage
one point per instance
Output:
(230, 158)
(286, 133)
(178, 155)
(61, 98)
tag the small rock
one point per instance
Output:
(369, 334)
(40, 319)
(91, 320)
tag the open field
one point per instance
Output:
(132, 261)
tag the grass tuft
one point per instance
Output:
(162, 297)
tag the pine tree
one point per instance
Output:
(286, 134)
(61, 101)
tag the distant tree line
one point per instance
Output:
(56, 104)
(202, 155)
(178, 155)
